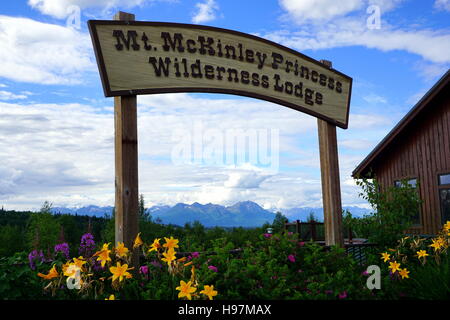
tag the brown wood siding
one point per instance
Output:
(422, 151)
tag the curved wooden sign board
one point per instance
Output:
(136, 57)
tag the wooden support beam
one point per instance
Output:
(126, 160)
(331, 187)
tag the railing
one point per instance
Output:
(312, 230)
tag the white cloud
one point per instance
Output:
(385, 5)
(206, 11)
(431, 45)
(32, 51)
(6, 95)
(246, 180)
(307, 10)
(61, 8)
(442, 5)
(431, 71)
(49, 154)
(357, 144)
(349, 28)
(365, 121)
(374, 99)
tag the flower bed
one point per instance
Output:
(273, 267)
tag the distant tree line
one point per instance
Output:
(27, 231)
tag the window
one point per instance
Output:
(444, 179)
(444, 196)
(413, 183)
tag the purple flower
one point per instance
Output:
(143, 270)
(195, 254)
(290, 233)
(63, 248)
(365, 273)
(291, 258)
(87, 245)
(98, 266)
(328, 291)
(301, 244)
(343, 295)
(267, 235)
(35, 256)
(212, 268)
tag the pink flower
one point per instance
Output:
(267, 235)
(343, 295)
(213, 268)
(290, 233)
(143, 269)
(291, 258)
(365, 273)
(195, 254)
(301, 244)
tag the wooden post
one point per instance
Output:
(331, 188)
(126, 159)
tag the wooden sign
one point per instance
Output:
(136, 57)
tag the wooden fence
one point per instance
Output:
(313, 230)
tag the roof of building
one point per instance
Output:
(363, 168)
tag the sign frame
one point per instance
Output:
(92, 24)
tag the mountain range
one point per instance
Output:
(244, 214)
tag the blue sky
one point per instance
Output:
(56, 127)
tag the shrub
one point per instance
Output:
(394, 209)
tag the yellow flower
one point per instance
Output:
(121, 250)
(103, 255)
(403, 273)
(71, 270)
(111, 297)
(422, 254)
(193, 273)
(79, 262)
(169, 256)
(155, 245)
(447, 226)
(120, 271)
(385, 256)
(138, 241)
(51, 274)
(437, 244)
(170, 243)
(394, 266)
(185, 289)
(209, 291)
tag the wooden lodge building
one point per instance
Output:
(418, 149)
